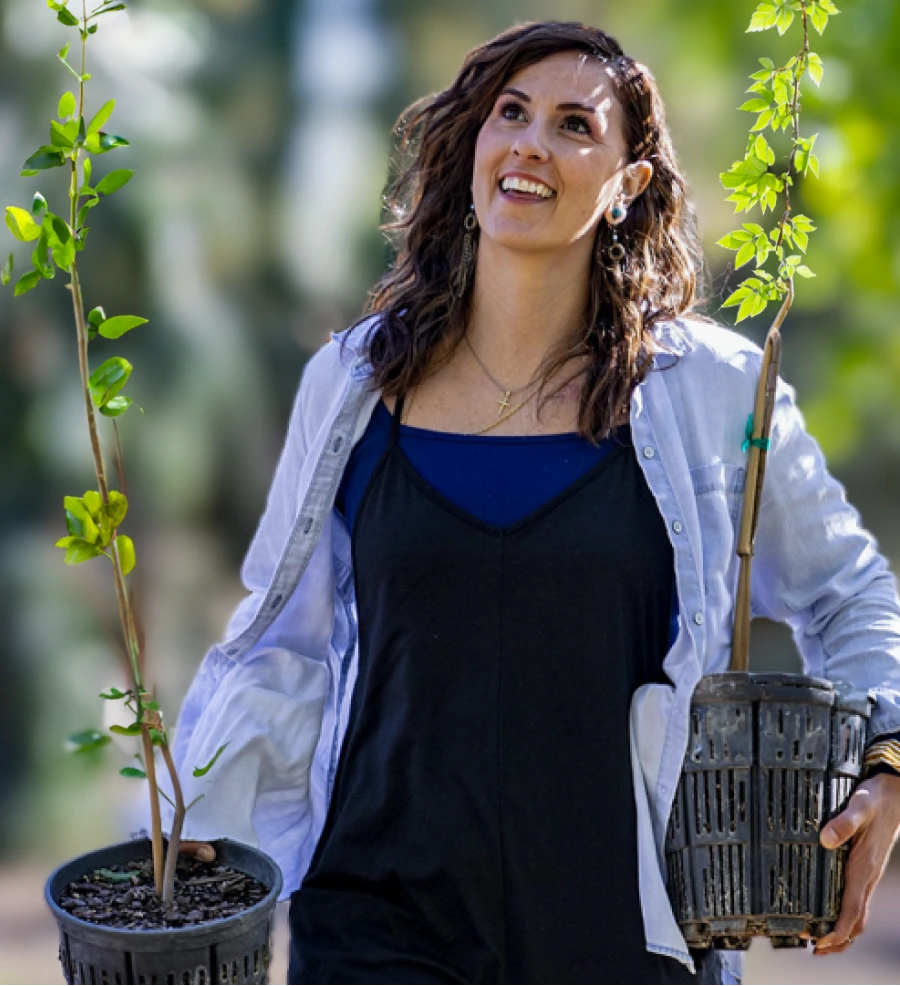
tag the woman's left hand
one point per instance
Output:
(871, 823)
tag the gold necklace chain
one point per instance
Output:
(507, 392)
(471, 434)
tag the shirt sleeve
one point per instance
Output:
(817, 569)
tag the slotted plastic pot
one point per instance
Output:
(230, 950)
(770, 759)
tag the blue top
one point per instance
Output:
(499, 479)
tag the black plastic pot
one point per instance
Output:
(770, 759)
(230, 950)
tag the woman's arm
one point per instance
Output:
(820, 571)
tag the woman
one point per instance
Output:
(498, 554)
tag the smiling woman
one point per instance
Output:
(499, 554)
(560, 104)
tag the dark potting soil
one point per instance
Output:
(123, 896)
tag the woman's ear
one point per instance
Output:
(637, 177)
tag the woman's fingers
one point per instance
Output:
(199, 850)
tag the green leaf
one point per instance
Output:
(64, 255)
(763, 120)
(201, 771)
(115, 407)
(108, 379)
(767, 63)
(756, 105)
(94, 502)
(815, 68)
(79, 521)
(744, 255)
(814, 164)
(114, 510)
(107, 10)
(103, 142)
(736, 298)
(818, 17)
(763, 18)
(96, 316)
(78, 550)
(40, 256)
(84, 210)
(113, 693)
(60, 136)
(86, 165)
(800, 238)
(115, 877)
(126, 553)
(66, 17)
(784, 20)
(100, 117)
(60, 228)
(21, 225)
(804, 271)
(6, 273)
(114, 181)
(804, 223)
(133, 730)
(38, 204)
(734, 240)
(118, 325)
(66, 106)
(26, 282)
(44, 158)
(64, 50)
(133, 772)
(90, 739)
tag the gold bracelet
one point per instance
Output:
(883, 752)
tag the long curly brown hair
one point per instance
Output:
(657, 280)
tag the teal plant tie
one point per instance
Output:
(749, 440)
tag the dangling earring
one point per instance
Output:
(460, 279)
(616, 251)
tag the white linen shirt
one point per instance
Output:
(277, 689)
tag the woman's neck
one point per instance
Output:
(523, 306)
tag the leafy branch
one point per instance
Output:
(755, 179)
(93, 520)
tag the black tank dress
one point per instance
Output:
(482, 826)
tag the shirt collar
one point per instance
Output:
(671, 338)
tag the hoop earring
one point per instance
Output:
(460, 279)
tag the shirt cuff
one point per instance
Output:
(883, 756)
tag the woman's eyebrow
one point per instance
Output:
(584, 107)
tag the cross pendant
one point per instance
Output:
(504, 404)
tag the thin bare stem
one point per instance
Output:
(155, 816)
(168, 891)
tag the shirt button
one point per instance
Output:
(698, 619)
(649, 451)
(677, 526)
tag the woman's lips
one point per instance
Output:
(514, 195)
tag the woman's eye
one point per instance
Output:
(511, 111)
(578, 124)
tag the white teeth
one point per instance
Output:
(523, 185)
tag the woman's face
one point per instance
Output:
(555, 131)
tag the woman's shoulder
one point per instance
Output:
(696, 338)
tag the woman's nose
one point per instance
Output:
(529, 144)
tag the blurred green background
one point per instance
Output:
(260, 134)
